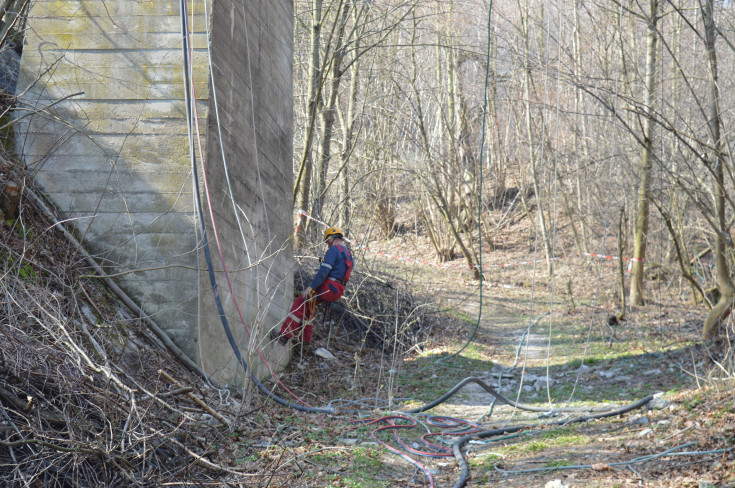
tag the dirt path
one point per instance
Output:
(514, 345)
(572, 358)
(593, 365)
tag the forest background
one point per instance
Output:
(471, 135)
(609, 120)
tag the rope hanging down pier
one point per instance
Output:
(200, 214)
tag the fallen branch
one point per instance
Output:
(196, 399)
(56, 447)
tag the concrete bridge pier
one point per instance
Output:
(104, 129)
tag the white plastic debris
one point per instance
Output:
(323, 353)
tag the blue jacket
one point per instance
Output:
(334, 265)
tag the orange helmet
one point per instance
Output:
(332, 232)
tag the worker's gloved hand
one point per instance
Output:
(306, 293)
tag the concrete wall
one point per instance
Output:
(114, 155)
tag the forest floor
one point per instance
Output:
(551, 344)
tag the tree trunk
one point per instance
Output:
(644, 189)
(723, 307)
(621, 262)
(329, 115)
(536, 177)
(303, 181)
(348, 134)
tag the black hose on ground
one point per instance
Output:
(457, 446)
(218, 301)
(499, 396)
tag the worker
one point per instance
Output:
(327, 286)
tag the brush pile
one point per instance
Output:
(377, 311)
(90, 397)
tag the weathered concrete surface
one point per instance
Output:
(251, 68)
(114, 155)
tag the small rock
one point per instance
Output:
(652, 372)
(659, 403)
(639, 419)
(556, 484)
(542, 381)
(550, 413)
(607, 374)
(644, 432)
(349, 442)
(208, 419)
(527, 388)
(87, 312)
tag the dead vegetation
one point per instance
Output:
(379, 311)
(88, 397)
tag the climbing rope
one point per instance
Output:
(457, 446)
(191, 115)
(227, 174)
(463, 428)
(469, 430)
(479, 187)
(638, 460)
(466, 429)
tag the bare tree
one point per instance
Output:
(644, 186)
(716, 160)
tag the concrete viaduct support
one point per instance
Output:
(105, 131)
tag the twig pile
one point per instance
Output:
(379, 312)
